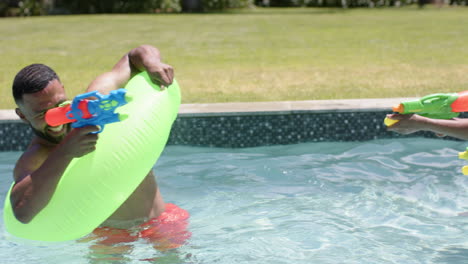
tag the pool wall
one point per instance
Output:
(238, 125)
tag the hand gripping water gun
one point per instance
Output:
(85, 111)
(439, 106)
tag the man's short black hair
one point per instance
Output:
(31, 79)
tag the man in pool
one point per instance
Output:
(37, 88)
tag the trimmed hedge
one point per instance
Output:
(44, 7)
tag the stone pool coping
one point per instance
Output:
(256, 124)
(279, 107)
(284, 107)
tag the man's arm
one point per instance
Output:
(39, 169)
(410, 123)
(143, 58)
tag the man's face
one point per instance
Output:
(34, 106)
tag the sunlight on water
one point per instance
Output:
(386, 201)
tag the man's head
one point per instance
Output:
(32, 79)
(36, 89)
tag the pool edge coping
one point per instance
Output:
(276, 107)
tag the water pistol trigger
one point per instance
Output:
(101, 128)
(390, 122)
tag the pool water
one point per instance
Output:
(386, 201)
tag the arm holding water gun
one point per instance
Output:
(436, 113)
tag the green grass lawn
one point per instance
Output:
(256, 55)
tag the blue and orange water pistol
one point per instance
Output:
(84, 110)
(439, 106)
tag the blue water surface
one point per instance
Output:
(386, 201)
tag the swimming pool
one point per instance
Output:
(384, 201)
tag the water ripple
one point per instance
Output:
(385, 201)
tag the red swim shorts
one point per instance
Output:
(167, 231)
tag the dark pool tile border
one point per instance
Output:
(237, 125)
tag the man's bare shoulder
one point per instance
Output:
(32, 158)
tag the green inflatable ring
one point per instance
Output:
(95, 185)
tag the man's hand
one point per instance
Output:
(143, 58)
(161, 73)
(79, 141)
(407, 124)
(147, 58)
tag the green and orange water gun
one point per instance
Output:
(439, 106)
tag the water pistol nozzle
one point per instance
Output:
(398, 108)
